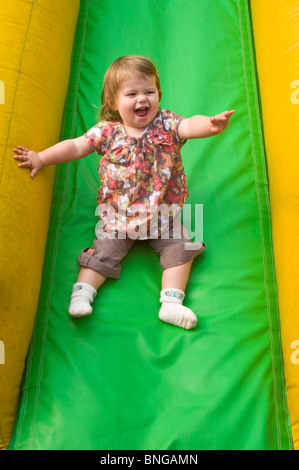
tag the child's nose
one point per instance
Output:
(141, 98)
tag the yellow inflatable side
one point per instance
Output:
(276, 32)
(36, 45)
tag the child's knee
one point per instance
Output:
(105, 256)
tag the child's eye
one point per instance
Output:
(131, 94)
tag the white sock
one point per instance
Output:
(173, 311)
(83, 295)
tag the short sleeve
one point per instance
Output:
(171, 123)
(99, 136)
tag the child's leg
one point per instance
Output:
(177, 277)
(174, 282)
(91, 277)
(99, 262)
(84, 292)
(176, 257)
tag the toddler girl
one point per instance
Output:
(141, 171)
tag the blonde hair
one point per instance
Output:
(121, 69)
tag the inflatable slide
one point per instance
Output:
(120, 378)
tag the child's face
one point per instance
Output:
(138, 102)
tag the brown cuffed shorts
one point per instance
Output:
(106, 254)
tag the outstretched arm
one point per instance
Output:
(65, 151)
(204, 126)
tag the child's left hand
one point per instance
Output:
(220, 122)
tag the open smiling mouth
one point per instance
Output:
(141, 112)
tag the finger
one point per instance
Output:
(21, 153)
(20, 150)
(229, 113)
(224, 116)
(24, 164)
(216, 119)
(22, 158)
(33, 173)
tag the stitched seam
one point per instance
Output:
(258, 195)
(56, 243)
(22, 410)
(265, 173)
(267, 197)
(22, 407)
(260, 217)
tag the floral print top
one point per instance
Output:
(139, 176)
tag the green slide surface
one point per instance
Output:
(122, 379)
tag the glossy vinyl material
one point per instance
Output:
(277, 60)
(36, 42)
(121, 379)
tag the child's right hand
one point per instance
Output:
(29, 159)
